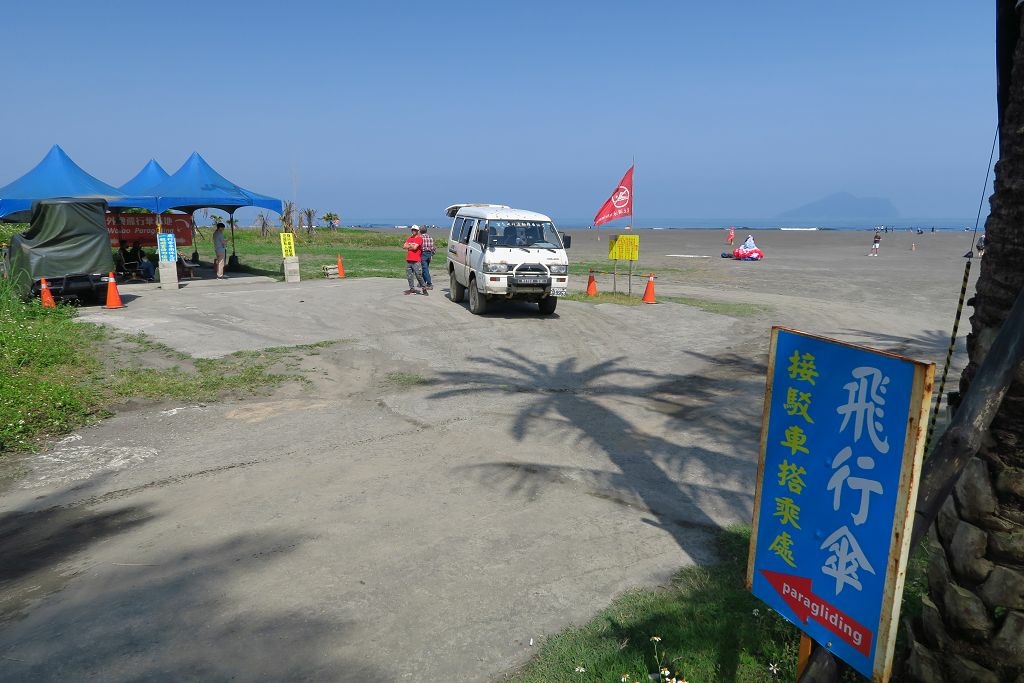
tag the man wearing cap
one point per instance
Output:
(427, 251)
(413, 267)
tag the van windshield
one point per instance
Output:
(540, 234)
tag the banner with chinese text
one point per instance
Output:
(141, 227)
(841, 448)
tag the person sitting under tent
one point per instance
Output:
(145, 266)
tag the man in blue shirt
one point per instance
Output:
(428, 252)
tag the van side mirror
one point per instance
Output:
(566, 240)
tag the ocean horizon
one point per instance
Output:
(926, 224)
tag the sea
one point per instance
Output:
(901, 225)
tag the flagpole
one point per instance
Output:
(632, 216)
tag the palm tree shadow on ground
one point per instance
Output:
(687, 489)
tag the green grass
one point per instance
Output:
(406, 379)
(735, 310)
(605, 298)
(711, 629)
(49, 376)
(608, 267)
(52, 380)
(365, 253)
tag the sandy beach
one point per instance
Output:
(820, 281)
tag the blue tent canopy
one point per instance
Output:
(197, 186)
(151, 174)
(58, 176)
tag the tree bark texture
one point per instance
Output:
(972, 622)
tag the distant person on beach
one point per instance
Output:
(876, 242)
(749, 243)
(731, 237)
(427, 252)
(413, 267)
(220, 251)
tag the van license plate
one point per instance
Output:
(558, 291)
(531, 281)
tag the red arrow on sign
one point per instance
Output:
(796, 592)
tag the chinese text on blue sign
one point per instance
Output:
(166, 247)
(840, 457)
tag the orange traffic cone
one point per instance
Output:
(341, 267)
(113, 298)
(649, 290)
(591, 284)
(45, 295)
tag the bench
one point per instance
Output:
(187, 269)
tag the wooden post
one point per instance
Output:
(805, 654)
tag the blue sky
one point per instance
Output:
(389, 111)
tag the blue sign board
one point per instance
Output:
(166, 247)
(840, 456)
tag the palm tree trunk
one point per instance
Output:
(972, 622)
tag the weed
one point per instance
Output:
(406, 379)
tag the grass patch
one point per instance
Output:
(711, 629)
(605, 298)
(365, 253)
(733, 309)
(52, 380)
(607, 268)
(406, 379)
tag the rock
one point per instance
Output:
(974, 495)
(923, 666)
(932, 628)
(966, 614)
(967, 553)
(947, 520)
(938, 571)
(1006, 546)
(1003, 588)
(965, 671)
(1011, 481)
(1009, 640)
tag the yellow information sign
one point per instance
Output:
(287, 244)
(624, 248)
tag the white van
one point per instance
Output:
(497, 252)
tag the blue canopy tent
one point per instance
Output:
(197, 186)
(58, 176)
(151, 174)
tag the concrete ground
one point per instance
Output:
(366, 525)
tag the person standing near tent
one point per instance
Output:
(731, 237)
(220, 251)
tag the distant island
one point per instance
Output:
(844, 206)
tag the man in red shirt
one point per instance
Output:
(413, 267)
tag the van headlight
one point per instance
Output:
(495, 267)
(559, 270)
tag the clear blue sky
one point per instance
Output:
(389, 111)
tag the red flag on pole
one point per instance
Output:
(620, 203)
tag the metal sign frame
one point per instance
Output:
(842, 440)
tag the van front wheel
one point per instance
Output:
(456, 292)
(477, 301)
(547, 305)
